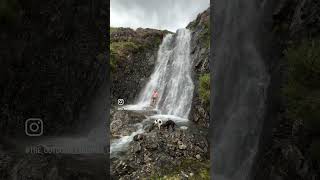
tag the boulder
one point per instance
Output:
(181, 145)
(157, 150)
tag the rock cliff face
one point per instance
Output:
(200, 49)
(289, 151)
(133, 57)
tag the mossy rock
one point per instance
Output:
(124, 47)
(113, 29)
(204, 87)
(200, 170)
(205, 35)
(302, 89)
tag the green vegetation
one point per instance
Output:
(205, 35)
(119, 49)
(200, 170)
(204, 87)
(192, 25)
(113, 58)
(113, 29)
(112, 62)
(123, 47)
(302, 90)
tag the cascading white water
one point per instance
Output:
(171, 77)
(120, 144)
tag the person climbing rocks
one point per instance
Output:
(154, 98)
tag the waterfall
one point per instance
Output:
(171, 76)
(240, 81)
(172, 79)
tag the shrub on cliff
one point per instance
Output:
(302, 90)
(204, 87)
(121, 49)
(200, 171)
(205, 35)
(126, 41)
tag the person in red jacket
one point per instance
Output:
(154, 98)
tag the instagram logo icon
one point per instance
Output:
(34, 127)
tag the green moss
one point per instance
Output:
(201, 171)
(157, 41)
(113, 29)
(113, 58)
(205, 35)
(204, 87)
(123, 47)
(112, 64)
(205, 173)
(302, 89)
(192, 25)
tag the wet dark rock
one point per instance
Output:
(200, 49)
(138, 137)
(56, 167)
(160, 149)
(136, 148)
(123, 122)
(150, 127)
(6, 162)
(33, 166)
(122, 168)
(115, 126)
(287, 154)
(181, 145)
(128, 117)
(132, 68)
